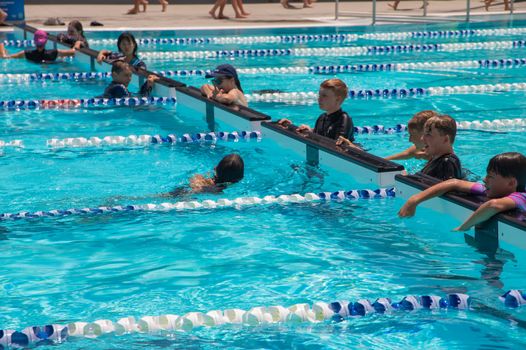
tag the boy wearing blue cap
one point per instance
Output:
(226, 87)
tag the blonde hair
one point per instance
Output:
(444, 124)
(419, 119)
(337, 86)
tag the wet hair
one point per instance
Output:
(419, 119)
(127, 36)
(230, 169)
(78, 27)
(337, 86)
(118, 67)
(510, 164)
(444, 124)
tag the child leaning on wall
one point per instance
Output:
(439, 136)
(121, 75)
(504, 185)
(415, 127)
(334, 123)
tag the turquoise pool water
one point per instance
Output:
(136, 264)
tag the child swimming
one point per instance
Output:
(75, 36)
(229, 170)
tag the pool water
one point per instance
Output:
(86, 268)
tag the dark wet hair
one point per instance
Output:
(118, 67)
(419, 120)
(127, 36)
(78, 27)
(444, 124)
(230, 169)
(510, 164)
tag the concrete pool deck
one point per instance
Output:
(262, 15)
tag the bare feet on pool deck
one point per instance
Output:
(165, 5)
(285, 4)
(133, 11)
(394, 7)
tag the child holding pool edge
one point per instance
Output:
(75, 36)
(127, 46)
(334, 123)
(439, 136)
(121, 76)
(415, 128)
(226, 87)
(504, 185)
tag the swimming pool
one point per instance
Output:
(87, 268)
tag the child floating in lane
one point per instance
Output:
(226, 87)
(39, 54)
(504, 185)
(415, 127)
(127, 46)
(334, 123)
(121, 75)
(229, 170)
(439, 136)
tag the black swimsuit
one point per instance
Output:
(335, 125)
(444, 167)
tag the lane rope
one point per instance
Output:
(312, 97)
(336, 311)
(209, 204)
(148, 140)
(87, 102)
(339, 51)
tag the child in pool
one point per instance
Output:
(415, 127)
(334, 123)
(39, 54)
(75, 36)
(504, 185)
(226, 87)
(121, 76)
(127, 46)
(230, 169)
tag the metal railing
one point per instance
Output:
(419, 18)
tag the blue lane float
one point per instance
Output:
(209, 204)
(513, 298)
(148, 140)
(338, 51)
(326, 69)
(88, 102)
(305, 38)
(335, 312)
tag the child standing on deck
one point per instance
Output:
(504, 185)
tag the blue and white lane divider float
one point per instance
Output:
(210, 204)
(336, 311)
(13, 143)
(148, 140)
(312, 97)
(496, 124)
(328, 69)
(338, 51)
(87, 102)
(304, 38)
(514, 298)
(20, 77)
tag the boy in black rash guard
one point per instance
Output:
(40, 54)
(439, 135)
(121, 76)
(334, 123)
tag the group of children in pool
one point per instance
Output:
(432, 135)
